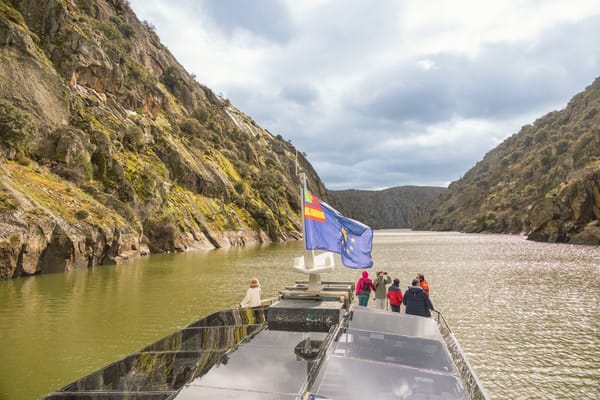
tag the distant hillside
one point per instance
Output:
(543, 181)
(397, 207)
(109, 149)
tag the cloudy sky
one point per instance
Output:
(386, 93)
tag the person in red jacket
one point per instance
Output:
(394, 295)
(364, 286)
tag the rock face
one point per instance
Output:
(397, 207)
(543, 181)
(110, 150)
(573, 216)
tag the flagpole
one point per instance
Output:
(314, 279)
(302, 176)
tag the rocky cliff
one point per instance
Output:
(397, 207)
(109, 149)
(543, 181)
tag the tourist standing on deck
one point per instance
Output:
(363, 289)
(394, 295)
(380, 289)
(417, 301)
(423, 283)
(252, 298)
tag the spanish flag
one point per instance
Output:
(312, 208)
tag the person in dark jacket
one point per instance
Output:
(394, 295)
(364, 286)
(417, 301)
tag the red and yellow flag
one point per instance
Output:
(312, 208)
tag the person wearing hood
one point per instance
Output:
(364, 286)
(417, 301)
(252, 298)
(394, 295)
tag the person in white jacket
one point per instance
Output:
(252, 298)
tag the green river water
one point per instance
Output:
(525, 313)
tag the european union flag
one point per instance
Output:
(327, 229)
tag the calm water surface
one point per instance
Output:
(526, 314)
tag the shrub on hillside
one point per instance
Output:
(17, 128)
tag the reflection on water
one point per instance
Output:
(525, 313)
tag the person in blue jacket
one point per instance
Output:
(417, 301)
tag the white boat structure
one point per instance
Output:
(311, 342)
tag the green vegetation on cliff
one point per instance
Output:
(397, 207)
(108, 147)
(543, 181)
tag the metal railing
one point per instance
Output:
(466, 371)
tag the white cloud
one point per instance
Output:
(427, 64)
(411, 92)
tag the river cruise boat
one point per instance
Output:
(310, 342)
(306, 344)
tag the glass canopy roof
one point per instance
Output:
(233, 354)
(378, 355)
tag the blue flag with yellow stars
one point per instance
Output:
(327, 229)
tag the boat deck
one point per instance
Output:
(307, 345)
(235, 354)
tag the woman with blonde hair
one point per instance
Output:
(252, 298)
